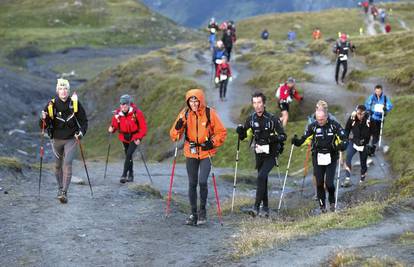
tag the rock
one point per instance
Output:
(386, 149)
(11, 132)
(78, 180)
(22, 152)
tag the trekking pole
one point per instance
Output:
(84, 164)
(42, 152)
(382, 125)
(215, 191)
(337, 179)
(284, 181)
(235, 173)
(305, 170)
(278, 172)
(145, 164)
(167, 209)
(107, 154)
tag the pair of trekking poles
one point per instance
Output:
(168, 208)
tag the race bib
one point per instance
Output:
(223, 77)
(262, 149)
(343, 57)
(379, 108)
(218, 61)
(324, 159)
(358, 148)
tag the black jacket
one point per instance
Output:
(267, 130)
(342, 48)
(65, 122)
(227, 40)
(361, 132)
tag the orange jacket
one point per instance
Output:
(197, 131)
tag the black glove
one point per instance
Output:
(341, 146)
(241, 132)
(301, 98)
(280, 147)
(371, 150)
(207, 145)
(296, 141)
(179, 124)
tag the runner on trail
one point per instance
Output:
(66, 123)
(212, 24)
(227, 40)
(286, 93)
(265, 34)
(358, 131)
(203, 133)
(223, 76)
(268, 136)
(327, 139)
(291, 35)
(218, 52)
(130, 123)
(316, 34)
(378, 105)
(341, 49)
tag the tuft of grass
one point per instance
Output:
(11, 164)
(407, 238)
(353, 258)
(199, 72)
(255, 236)
(146, 189)
(355, 86)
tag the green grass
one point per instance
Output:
(146, 189)
(256, 235)
(352, 258)
(407, 238)
(11, 164)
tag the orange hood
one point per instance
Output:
(200, 96)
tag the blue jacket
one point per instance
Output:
(218, 53)
(212, 40)
(373, 100)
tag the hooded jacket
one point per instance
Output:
(196, 129)
(131, 125)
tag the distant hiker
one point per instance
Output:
(378, 105)
(265, 34)
(212, 24)
(387, 27)
(374, 12)
(130, 123)
(382, 15)
(365, 5)
(328, 138)
(285, 94)
(291, 35)
(66, 122)
(218, 52)
(212, 38)
(232, 27)
(316, 34)
(203, 133)
(227, 40)
(268, 136)
(223, 76)
(341, 49)
(358, 131)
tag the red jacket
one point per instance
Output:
(131, 123)
(223, 68)
(285, 92)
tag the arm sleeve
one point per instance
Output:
(307, 134)
(279, 130)
(142, 131)
(218, 70)
(174, 134)
(82, 119)
(296, 95)
(219, 131)
(388, 105)
(348, 127)
(229, 70)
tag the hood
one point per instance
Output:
(197, 93)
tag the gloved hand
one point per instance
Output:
(230, 79)
(341, 146)
(216, 80)
(179, 124)
(371, 150)
(280, 148)
(207, 145)
(301, 98)
(296, 141)
(241, 131)
(79, 135)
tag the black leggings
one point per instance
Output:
(223, 88)
(345, 66)
(325, 175)
(264, 166)
(375, 129)
(198, 172)
(129, 159)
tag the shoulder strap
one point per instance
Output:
(208, 116)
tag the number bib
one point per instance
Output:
(358, 148)
(343, 57)
(262, 149)
(324, 159)
(223, 77)
(379, 108)
(218, 61)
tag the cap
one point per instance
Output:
(291, 80)
(125, 99)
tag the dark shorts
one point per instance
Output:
(284, 106)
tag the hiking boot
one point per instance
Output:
(191, 220)
(123, 180)
(254, 211)
(59, 192)
(332, 207)
(130, 178)
(362, 179)
(63, 198)
(347, 182)
(264, 213)
(323, 209)
(202, 217)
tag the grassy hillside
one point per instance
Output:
(30, 27)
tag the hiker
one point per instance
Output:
(358, 127)
(212, 24)
(316, 34)
(265, 34)
(130, 123)
(203, 133)
(365, 5)
(291, 35)
(341, 49)
(328, 138)
(387, 27)
(223, 76)
(66, 123)
(218, 53)
(286, 93)
(382, 15)
(378, 105)
(374, 12)
(227, 40)
(232, 27)
(268, 136)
